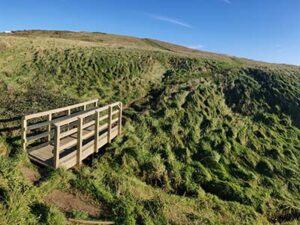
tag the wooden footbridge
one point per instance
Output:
(64, 137)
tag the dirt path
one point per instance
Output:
(30, 174)
(68, 202)
(65, 201)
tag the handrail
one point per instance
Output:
(83, 115)
(56, 120)
(83, 131)
(26, 127)
(45, 113)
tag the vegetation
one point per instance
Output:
(208, 139)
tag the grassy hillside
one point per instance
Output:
(208, 139)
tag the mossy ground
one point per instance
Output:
(206, 140)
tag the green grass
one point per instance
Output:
(208, 139)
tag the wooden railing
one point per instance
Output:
(40, 125)
(89, 132)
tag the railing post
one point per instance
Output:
(96, 144)
(109, 124)
(79, 140)
(24, 133)
(120, 118)
(56, 146)
(49, 127)
(68, 114)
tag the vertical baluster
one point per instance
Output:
(96, 144)
(49, 126)
(109, 124)
(56, 146)
(24, 133)
(68, 114)
(120, 118)
(79, 140)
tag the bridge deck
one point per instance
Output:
(44, 153)
(74, 137)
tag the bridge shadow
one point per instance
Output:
(10, 128)
(10, 124)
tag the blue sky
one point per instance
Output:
(267, 30)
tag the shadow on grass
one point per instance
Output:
(41, 211)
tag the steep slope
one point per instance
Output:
(208, 139)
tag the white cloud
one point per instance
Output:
(227, 1)
(170, 20)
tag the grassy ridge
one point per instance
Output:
(207, 139)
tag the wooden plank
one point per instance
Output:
(68, 114)
(88, 124)
(41, 162)
(114, 120)
(38, 136)
(49, 126)
(79, 141)
(58, 110)
(54, 121)
(101, 109)
(56, 147)
(109, 124)
(43, 153)
(86, 114)
(69, 132)
(88, 149)
(40, 146)
(88, 134)
(114, 104)
(103, 127)
(67, 121)
(120, 118)
(38, 125)
(103, 117)
(70, 160)
(102, 137)
(73, 119)
(72, 142)
(114, 112)
(24, 133)
(96, 130)
(69, 144)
